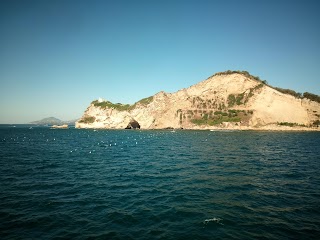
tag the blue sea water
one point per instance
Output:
(128, 184)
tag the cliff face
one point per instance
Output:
(232, 100)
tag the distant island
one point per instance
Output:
(53, 121)
(226, 100)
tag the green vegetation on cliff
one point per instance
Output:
(215, 121)
(107, 104)
(316, 123)
(235, 99)
(242, 98)
(122, 107)
(312, 97)
(87, 119)
(244, 73)
(288, 91)
(219, 117)
(290, 124)
(145, 101)
(307, 95)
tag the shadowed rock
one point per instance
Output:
(133, 124)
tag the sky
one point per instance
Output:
(57, 56)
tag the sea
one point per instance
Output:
(158, 184)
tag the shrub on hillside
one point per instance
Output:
(288, 91)
(312, 97)
(87, 119)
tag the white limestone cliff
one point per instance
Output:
(242, 101)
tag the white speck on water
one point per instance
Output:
(216, 220)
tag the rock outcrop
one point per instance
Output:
(234, 100)
(64, 126)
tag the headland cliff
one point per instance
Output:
(226, 100)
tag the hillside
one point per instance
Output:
(231, 99)
(53, 121)
(49, 121)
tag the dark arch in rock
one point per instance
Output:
(133, 124)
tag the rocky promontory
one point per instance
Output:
(226, 100)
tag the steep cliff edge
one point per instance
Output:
(234, 100)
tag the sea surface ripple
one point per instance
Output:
(126, 184)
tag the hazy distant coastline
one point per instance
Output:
(53, 121)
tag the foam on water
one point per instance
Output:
(215, 220)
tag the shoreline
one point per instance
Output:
(217, 129)
(269, 128)
(273, 127)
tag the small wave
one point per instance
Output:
(215, 220)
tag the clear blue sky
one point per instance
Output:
(57, 56)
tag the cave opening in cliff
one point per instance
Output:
(133, 124)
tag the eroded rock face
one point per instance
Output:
(233, 100)
(133, 124)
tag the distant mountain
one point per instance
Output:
(53, 121)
